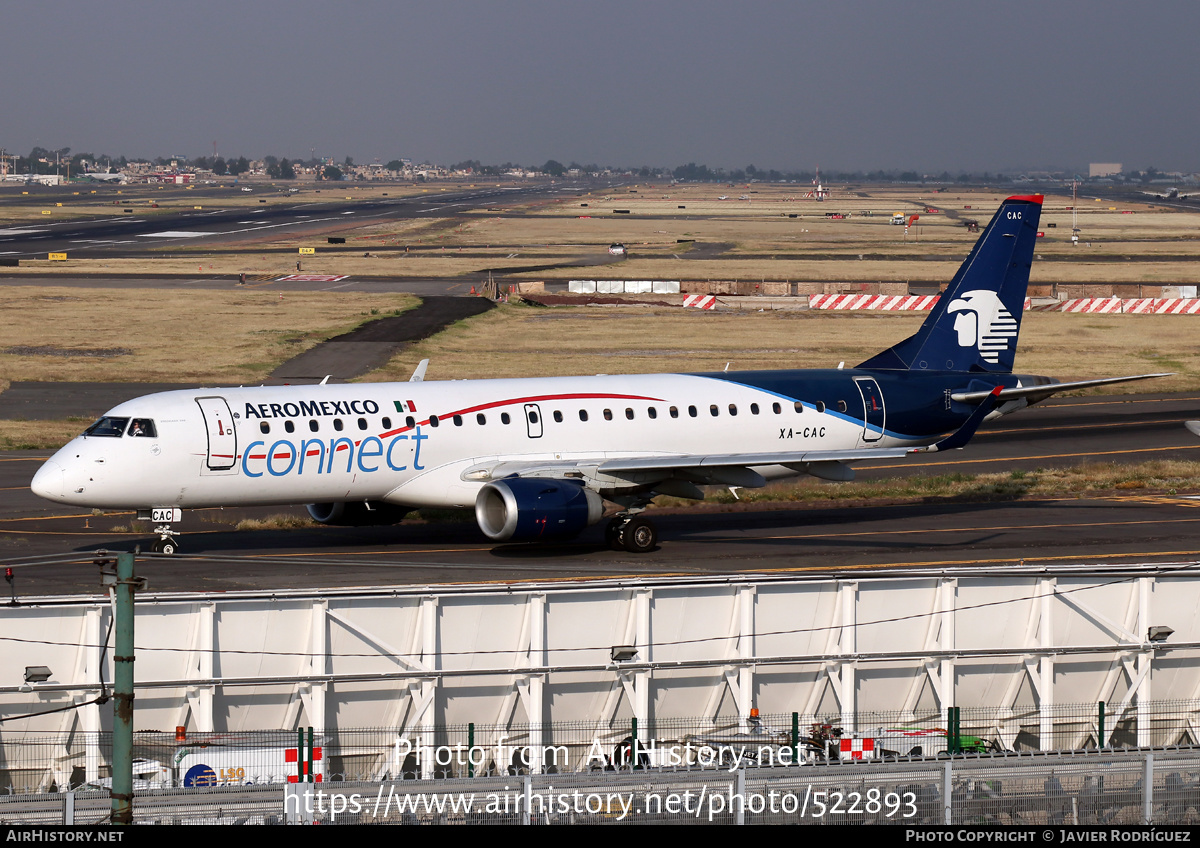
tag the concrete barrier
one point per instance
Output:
(623, 286)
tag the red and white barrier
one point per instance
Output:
(1169, 306)
(1100, 305)
(700, 301)
(921, 303)
(1127, 306)
(872, 301)
(856, 749)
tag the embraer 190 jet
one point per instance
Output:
(544, 458)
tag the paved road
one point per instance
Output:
(371, 346)
(1121, 527)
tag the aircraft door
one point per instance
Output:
(222, 438)
(874, 414)
(533, 420)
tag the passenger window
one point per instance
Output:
(800, 407)
(558, 416)
(776, 408)
(337, 424)
(457, 420)
(480, 418)
(674, 412)
(733, 409)
(263, 427)
(145, 427)
(652, 412)
(841, 406)
(583, 415)
(820, 405)
(504, 418)
(433, 420)
(410, 422)
(313, 425)
(387, 423)
(713, 410)
(692, 411)
(754, 409)
(289, 426)
(629, 413)
(107, 427)
(362, 423)
(608, 415)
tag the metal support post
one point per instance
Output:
(123, 657)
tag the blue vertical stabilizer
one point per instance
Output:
(975, 323)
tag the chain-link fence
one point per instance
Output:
(1099, 788)
(41, 762)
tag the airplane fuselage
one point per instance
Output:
(415, 444)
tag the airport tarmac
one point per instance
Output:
(51, 547)
(125, 233)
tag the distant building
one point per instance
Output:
(1104, 169)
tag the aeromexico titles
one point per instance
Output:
(544, 458)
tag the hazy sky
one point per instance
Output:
(843, 84)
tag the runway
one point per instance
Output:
(143, 228)
(51, 547)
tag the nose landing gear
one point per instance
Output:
(167, 541)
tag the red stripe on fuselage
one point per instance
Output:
(480, 408)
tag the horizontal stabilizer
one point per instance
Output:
(1035, 393)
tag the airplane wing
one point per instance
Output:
(1036, 393)
(735, 469)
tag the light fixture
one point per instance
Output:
(37, 674)
(1158, 633)
(623, 653)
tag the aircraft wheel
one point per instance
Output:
(639, 536)
(165, 546)
(612, 534)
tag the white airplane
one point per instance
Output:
(818, 191)
(1171, 193)
(98, 177)
(538, 458)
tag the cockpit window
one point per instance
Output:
(107, 426)
(142, 427)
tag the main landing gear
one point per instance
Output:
(632, 533)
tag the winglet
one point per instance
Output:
(418, 375)
(963, 434)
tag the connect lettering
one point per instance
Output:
(317, 456)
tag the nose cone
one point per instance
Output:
(48, 482)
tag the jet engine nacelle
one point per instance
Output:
(529, 509)
(356, 513)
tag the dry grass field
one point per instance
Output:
(1169, 477)
(111, 334)
(1121, 242)
(239, 336)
